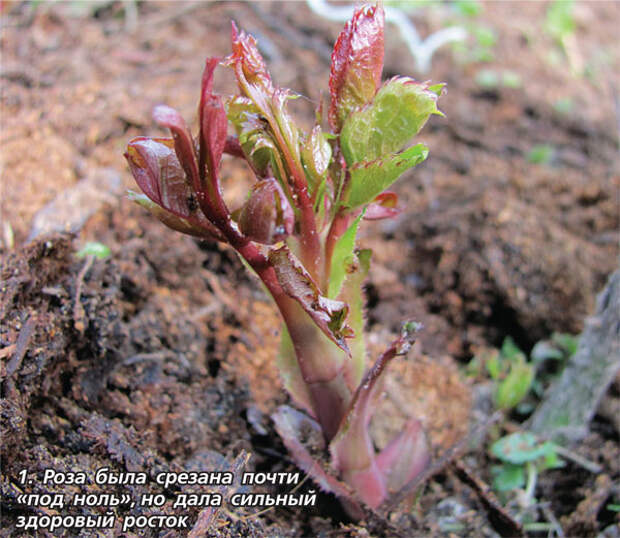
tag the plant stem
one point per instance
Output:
(579, 460)
(336, 230)
(310, 245)
(531, 482)
(321, 362)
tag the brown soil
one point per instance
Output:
(161, 356)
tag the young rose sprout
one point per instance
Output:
(297, 231)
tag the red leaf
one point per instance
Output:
(267, 217)
(357, 62)
(157, 171)
(213, 129)
(329, 315)
(183, 144)
(213, 122)
(384, 206)
(294, 426)
(405, 457)
(352, 450)
(247, 61)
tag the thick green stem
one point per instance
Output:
(321, 363)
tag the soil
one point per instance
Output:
(160, 357)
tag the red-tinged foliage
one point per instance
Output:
(213, 123)
(384, 206)
(267, 216)
(158, 173)
(183, 144)
(352, 449)
(301, 214)
(247, 60)
(328, 314)
(357, 63)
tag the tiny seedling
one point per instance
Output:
(95, 249)
(541, 154)
(561, 25)
(564, 106)
(510, 371)
(297, 232)
(522, 457)
(520, 382)
(467, 8)
(560, 21)
(490, 79)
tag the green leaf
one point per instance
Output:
(94, 248)
(508, 477)
(494, 366)
(515, 386)
(510, 350)
(518, 448)
(256, 142)
(511, 79)
(369, 179)
(566, 342)
(468, 8)
(316, 154)
(397, 113)
(487, 78)
(319, 203)
(474, 367)
(541, 154)
(551, 458)
(560, 22)
(486, 37)
(343, 251)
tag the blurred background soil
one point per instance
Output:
(162, 355)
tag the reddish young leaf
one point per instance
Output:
(357, 62)
(267, 217)
(352, 449)
(189, 226)
(384, 206)
(329, 315)
(294, 426)
(156, 168)
(157, 171)
(213, 122)
(248, 63)
(183, 144)
(213, 128)
(255, 83)
(405, 457)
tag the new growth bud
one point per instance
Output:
(267, 217)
